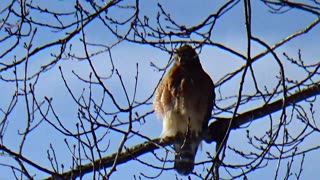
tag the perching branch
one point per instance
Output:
(217, 130)
(123, 157)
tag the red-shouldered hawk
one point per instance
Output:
(184, 100)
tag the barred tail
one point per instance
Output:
(186, 149)
(184, 163)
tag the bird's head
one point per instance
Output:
(186, 55)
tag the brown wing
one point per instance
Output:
(167, 91)
(209, 100)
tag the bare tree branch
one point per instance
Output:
(217, 130)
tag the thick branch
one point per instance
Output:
(129, 154)
(217, 130)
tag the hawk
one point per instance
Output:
(184, 100)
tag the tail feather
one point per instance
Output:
(184, 163)
(186, 149)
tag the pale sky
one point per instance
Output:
(229, 31)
